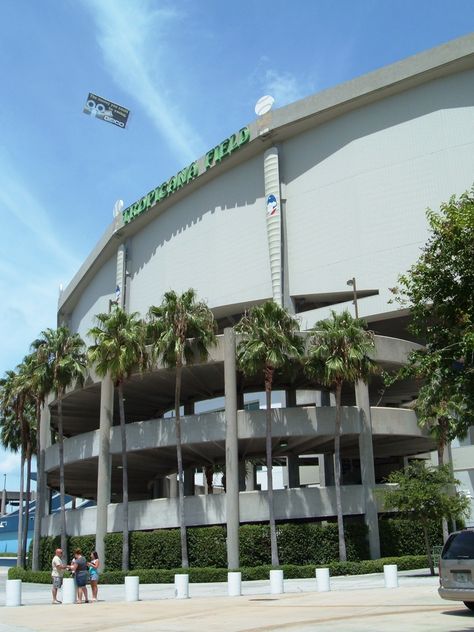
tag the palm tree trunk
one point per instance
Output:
(179, 455)
(39, 493)
(19, 556)
(24, 547)
(123, 434)
(62, 493)
(337, 475)
(428, 548)
(444, 523)
(268, 445)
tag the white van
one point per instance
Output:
(456, 568)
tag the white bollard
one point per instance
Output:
(132, 588)
(390, 575)
(69, 590)
(234, 584)
(322, 580)
(181, 586)
(13, 592)
(276, 582)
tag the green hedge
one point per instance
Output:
(299, 544)
(205, 575)
(400, 536)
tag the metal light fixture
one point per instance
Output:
(352, 283)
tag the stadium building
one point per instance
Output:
(328, 190)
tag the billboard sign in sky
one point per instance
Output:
(106, 110)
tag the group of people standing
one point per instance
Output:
(84, 572)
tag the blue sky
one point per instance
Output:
(190, 72)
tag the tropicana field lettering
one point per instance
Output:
(186, 175)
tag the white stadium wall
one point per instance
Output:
(358, 186)
(213, 240)
(95, 298)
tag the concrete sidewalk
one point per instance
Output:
(358, 603)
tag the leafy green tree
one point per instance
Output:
(180, 329)
(439, 290)
(338, 353)
(269, 342)
(425, 494)
(119, 349)
(63, 356)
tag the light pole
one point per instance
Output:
(352, 283)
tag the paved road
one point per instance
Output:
(355, 603)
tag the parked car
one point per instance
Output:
(456, 568)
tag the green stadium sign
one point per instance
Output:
(186, 175)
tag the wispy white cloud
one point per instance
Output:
(133, 37)
(17, 201)
(284, 87)
(33, 260)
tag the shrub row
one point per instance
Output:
(405, 537)
(204, 575)
(299, 544)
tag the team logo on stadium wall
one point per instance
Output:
(272, 206)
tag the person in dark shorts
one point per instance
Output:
(81, 575)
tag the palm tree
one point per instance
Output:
(269, 342)
(11, 439)
(18, 433)
(338, 353)
(36, 379)
(63, 353)
(119, 349)
(180, 328)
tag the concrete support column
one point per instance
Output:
(173, 486)
(231, 449)
(41, 495)
(3, 507)
(293, 465)
(367, 469)
(189, 481)
(45, 442)
(328, 465)
(251, 477)
(104, 466)
(242, 476)
(188, 408)
(290, 397)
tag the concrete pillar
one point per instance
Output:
(328, 465)
(41, 495)
(367, 469)
(231, 449)
(104, 464)
(188, 408)
(43, 498)
(290, 397)
(173, 479)
(293, 465)
(251, 477)
(322, 473)
(3, 507)
(189, 481)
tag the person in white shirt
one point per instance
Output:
(57, 571)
